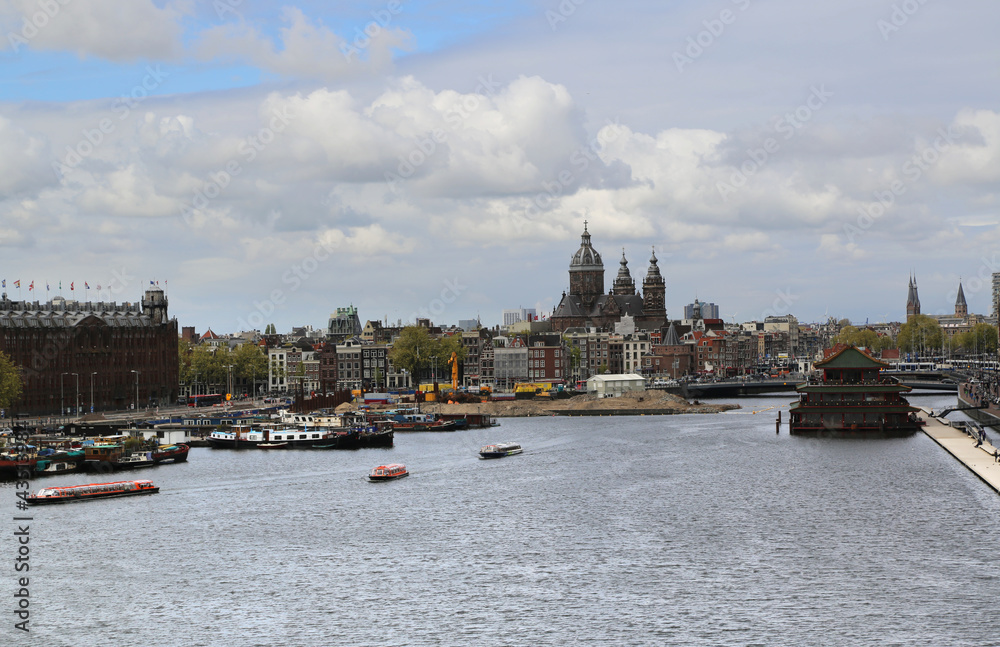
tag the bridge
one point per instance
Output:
(736, 388)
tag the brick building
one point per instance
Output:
(108, 355)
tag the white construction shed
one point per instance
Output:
(612, 386)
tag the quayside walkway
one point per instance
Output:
(962, 446)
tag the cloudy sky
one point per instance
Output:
(269, 162)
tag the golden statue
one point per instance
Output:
(453, 360)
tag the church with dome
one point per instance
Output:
(587, 305)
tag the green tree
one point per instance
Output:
(416, 351)
(10, 382)
(411, 351)
(249, 363)
(920, 334)
(863, 337)
(981, 339)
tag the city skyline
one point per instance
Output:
(278, 162)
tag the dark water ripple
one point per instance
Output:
(683, 530)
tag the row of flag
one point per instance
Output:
(48, 286)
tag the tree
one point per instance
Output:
(920, 334)
(412, 350)
(863, 337)
(10, 382)
(416, 351)
(249, 363)
(981, 339)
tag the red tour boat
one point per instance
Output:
(388, 472)
(91, 491)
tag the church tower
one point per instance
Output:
(654, 291)
(961, 308)
(586, 273)
(912, 300)
(624, 285)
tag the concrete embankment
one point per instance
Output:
(962, 446)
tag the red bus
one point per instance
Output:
(204, 400)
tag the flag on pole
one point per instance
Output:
(46, 286)
(17, 284)
(152, 283)
(86, 285)
(4, 283)
(31, 287)
(71, 288)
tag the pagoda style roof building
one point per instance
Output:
(852, 399)
(586, 304)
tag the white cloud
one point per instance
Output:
(304, 49)
(110, 29)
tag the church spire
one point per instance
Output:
(961, 308)
(912, 299)
(624, 285)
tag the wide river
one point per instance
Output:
(655, 530)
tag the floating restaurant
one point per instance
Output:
(852, 399)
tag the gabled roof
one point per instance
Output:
(844, 356)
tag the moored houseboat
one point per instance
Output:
(500, 450)
(388, 472)
(90, 491)
(852, 399)
(237, 437)
(424, 422)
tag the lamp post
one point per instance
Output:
(92, 391)
(62, 396)
(77, 411)
(136, 390)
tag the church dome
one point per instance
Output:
(586, 257)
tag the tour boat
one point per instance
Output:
(500, 450)
(91, 491)
(388, 472)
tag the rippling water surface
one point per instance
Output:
(662, 530)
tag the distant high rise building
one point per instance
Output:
(996, 294)
(520, 314)
(468, 325)
(708, 310)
